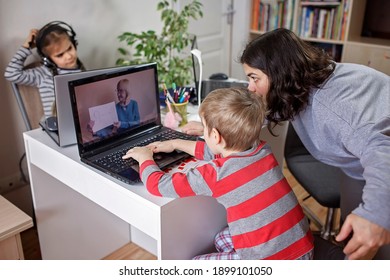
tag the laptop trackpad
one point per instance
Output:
(131, 174)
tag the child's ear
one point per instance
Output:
(217, 136)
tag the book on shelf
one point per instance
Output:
(329, 25)
(336, 28)
(320, 2)
(271, 14)
(345, 19)
(326, 21)
(321, 23)
(289, 14)
(255, 14)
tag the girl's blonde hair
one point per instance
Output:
(237, 114)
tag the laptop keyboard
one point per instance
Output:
(115, 162)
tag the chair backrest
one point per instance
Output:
(293, 145)
(29, 102)
(320, 180)
(276, 142)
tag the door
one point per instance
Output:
(221, 35)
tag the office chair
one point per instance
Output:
(321, 181)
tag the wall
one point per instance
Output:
(97, 24)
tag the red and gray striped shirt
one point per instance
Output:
(263, 213)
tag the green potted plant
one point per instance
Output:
(166, 49)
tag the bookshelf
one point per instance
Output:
(335, 26)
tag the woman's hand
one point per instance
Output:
(193, 128)
(367, 237)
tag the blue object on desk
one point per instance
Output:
(162, 99)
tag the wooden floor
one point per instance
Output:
(133, 252)
(129, 251)
(30, 243)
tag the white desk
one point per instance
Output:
(82, 213)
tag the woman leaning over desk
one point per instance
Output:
(341, 112)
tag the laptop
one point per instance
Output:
(61, 127)
(101, 144)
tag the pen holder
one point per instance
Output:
(181, 109)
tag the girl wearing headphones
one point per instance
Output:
(56, 45)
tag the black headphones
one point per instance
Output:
(47, 29)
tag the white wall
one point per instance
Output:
(97, 24)
(241, 23)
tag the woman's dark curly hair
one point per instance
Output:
(293, 67)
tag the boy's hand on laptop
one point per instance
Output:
(140, 154)
(169, 146)
(162, 146)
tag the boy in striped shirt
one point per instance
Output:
(265, 220)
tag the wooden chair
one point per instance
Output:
(29, 102)
(31, 108)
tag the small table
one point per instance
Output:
(12, 222)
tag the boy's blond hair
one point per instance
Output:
(237, 114)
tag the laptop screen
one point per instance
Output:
(66, 129)
(116, 105)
